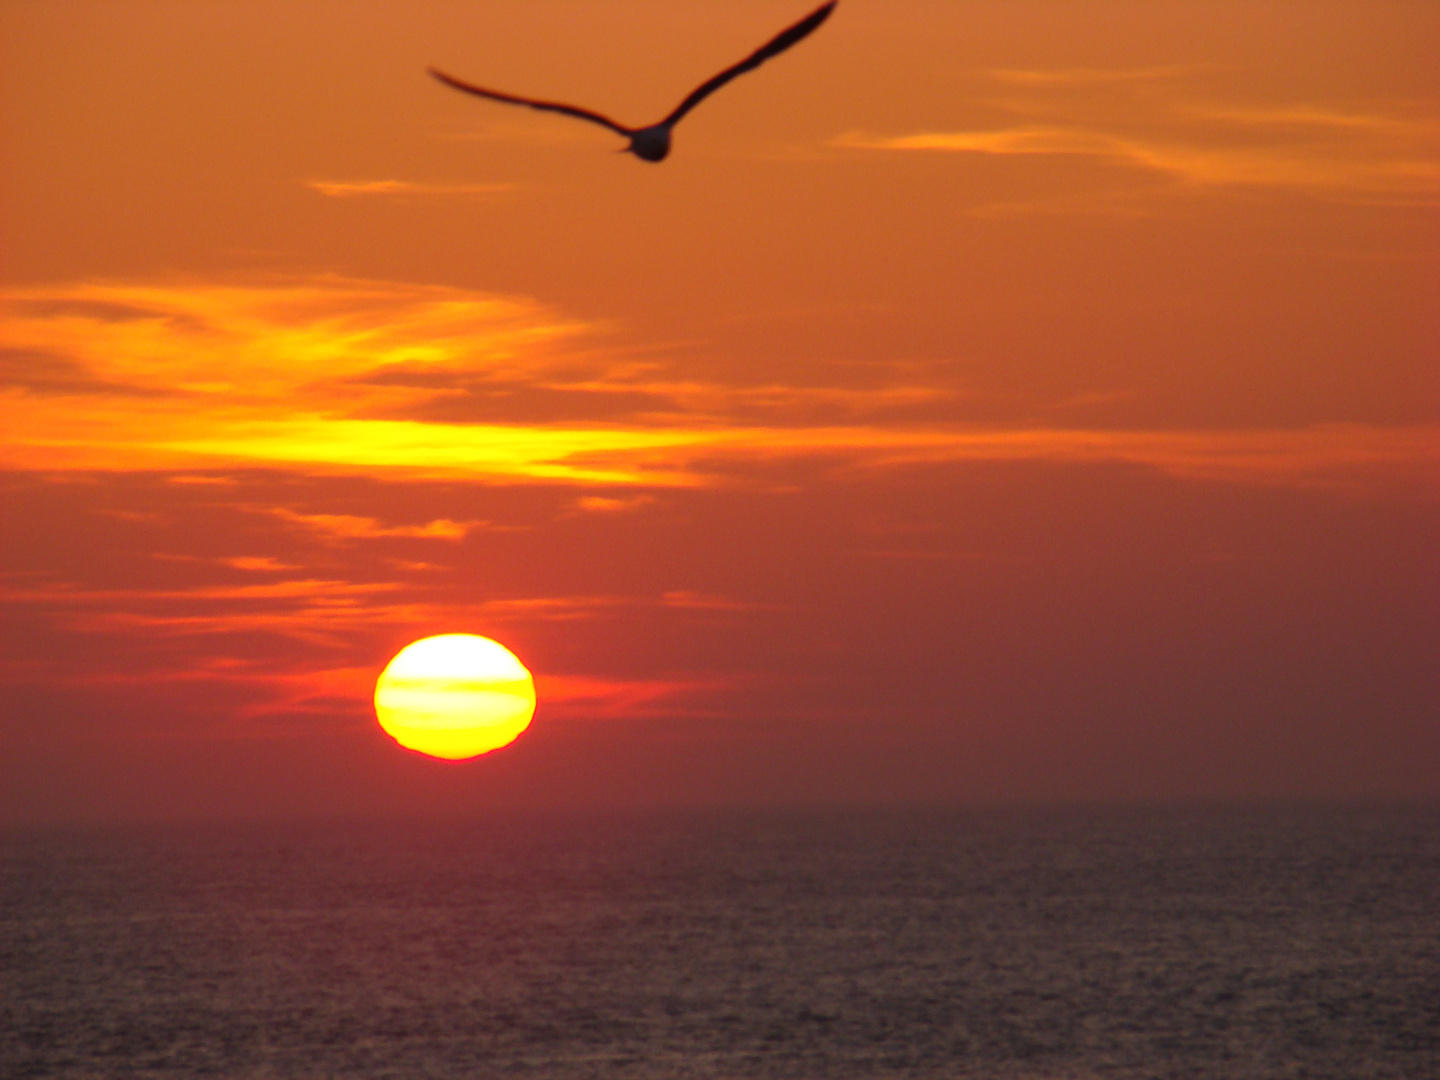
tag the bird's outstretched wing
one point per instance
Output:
(543, 106)
(776, 45)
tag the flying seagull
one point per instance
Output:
(653, 143)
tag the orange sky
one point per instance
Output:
(985, 401)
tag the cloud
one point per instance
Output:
(310, 340)
(329, 617)
(349, 189)
(322, 376)
(199, 480)
(1161, 120)
(326, 611)
(696, 601)
(603, 504)
(294, 589)
(1318, 168)
(351, 527)
(1022, 140)
(1302, 117)
(345, 692)
(258, 564)
(1293, 455)
(363, 377)
(274, 373)
(38, 372)
(1068, 77)
(583, 696)
(319, 610)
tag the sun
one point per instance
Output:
(454, 696)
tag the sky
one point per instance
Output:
(986, 402)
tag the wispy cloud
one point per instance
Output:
(350, 189)
(606, 504)
(258, 564)
(583, 696)
(291, 590)
(1167, 121)
(183, 479)
(1067, 77)
(352, 527)
(1021, 140)
(317, 610)
(698, 601)
(1317, 168)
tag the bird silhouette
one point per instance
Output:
(653, 143)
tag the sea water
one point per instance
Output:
(1051, 944)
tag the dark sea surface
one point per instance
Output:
(1039, 944)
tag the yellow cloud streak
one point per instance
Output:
(299, 377)
(253, 375)
(475, 450)
(158, 439)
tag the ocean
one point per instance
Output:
(1047, 944)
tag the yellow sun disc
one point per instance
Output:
(454, 696)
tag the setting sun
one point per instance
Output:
(454, 696)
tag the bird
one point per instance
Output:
(652, 143)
